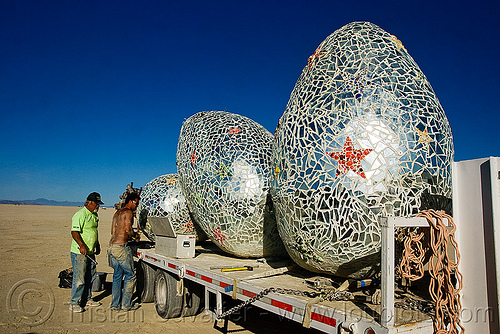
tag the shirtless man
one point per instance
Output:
(120, 255)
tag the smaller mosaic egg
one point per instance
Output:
(162, 197)
(223, 161)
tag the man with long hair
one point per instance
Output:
(120, 255)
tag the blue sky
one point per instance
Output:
(93, 93)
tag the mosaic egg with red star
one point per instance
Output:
(363, 136)
(224, 165)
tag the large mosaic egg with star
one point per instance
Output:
(162, 197)
(224, 165)
(363, 136)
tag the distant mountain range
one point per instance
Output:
(42, 201)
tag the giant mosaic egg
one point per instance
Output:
(363, 136)
(224, 164)
(162, 197)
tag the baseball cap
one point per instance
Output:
(95, 197)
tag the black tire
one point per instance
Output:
(167, 303)
(194, 298)
(146, 275)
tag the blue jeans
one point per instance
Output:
(84, 273)
(122, 261)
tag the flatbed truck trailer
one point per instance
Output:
(476, 210)
(207, 286)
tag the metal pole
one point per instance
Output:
(387, 280)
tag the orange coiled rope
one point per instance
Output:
(412, 262)
(441, 268)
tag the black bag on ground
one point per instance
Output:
(66, 278)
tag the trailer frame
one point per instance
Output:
(307, 311)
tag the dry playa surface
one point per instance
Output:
(35, 242)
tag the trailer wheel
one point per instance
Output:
(146, 274)
(167, 303)
(194, 295)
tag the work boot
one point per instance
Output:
(93, 303)
(132, 308)
(76, 308)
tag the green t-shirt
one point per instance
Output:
(86, 223)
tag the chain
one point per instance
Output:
(417, 305)
(246, 303)
(296, 292)
(325, 294)
(338, 295)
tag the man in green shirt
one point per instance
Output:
(84, 247)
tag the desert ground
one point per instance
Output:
(35, 242)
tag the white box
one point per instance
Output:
(182, 246)
(168, 242)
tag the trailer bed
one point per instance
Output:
(328, 316)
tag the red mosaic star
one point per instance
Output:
(188, 227)
(193, 157)
(234, 131)
(350, 159)
(218, 235)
